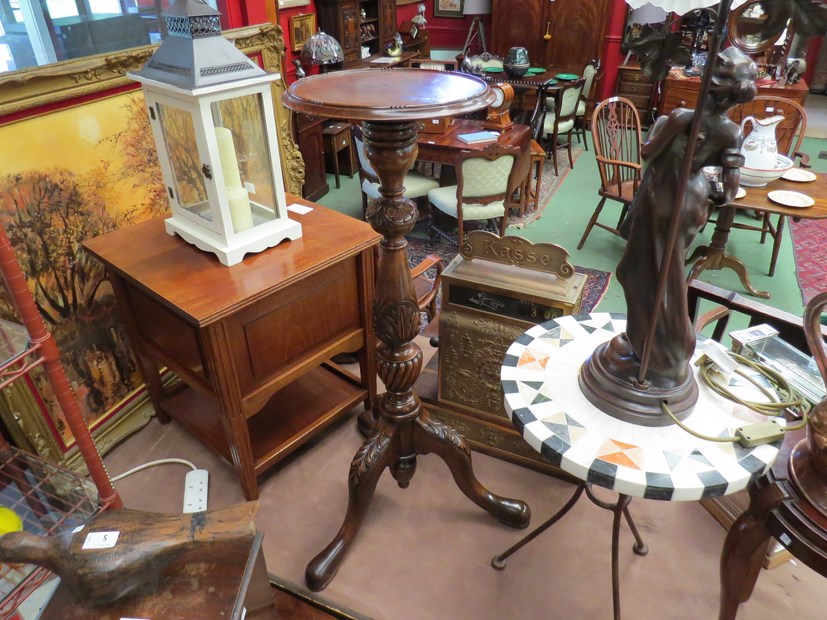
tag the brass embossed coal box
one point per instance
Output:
(494, 290)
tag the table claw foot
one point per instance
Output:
(323, 568)
(444, 441)
(739, 268)
(365, 469)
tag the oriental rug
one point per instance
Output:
(810, 250)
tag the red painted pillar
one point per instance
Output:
(612, 56)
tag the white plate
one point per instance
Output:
(791, 199)
(740, 193)
(800, 175)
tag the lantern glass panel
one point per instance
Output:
(179, 134)
(243, 147)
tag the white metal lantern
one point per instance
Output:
(212, 117)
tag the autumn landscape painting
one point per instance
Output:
(67, 176)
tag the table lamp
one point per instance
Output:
(648, 14)
(476, 8)
(323, 50)
(643, 376)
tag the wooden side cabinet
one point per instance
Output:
(682, 92)
(250, 343)
(358, 23)
(636, 86)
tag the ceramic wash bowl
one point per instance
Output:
(759, 177)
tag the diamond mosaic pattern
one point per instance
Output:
(539, 379)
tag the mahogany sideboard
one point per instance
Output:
(680, 91)
(250, 343)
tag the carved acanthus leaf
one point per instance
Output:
(368, 454)
(446, 433)
(397, 324)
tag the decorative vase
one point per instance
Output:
(759, 148)
(516, 62)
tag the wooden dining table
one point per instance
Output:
(443, 148)
(714, 256)
(529, 88)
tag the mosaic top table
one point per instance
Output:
(542, 395)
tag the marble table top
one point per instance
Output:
(543, 398)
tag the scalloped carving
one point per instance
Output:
(368, 454)
(292, 160)
(513, 250)
(398, 323)
(393, 217)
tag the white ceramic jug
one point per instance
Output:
(760, 149)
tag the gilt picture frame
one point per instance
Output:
(77, 122)
(449, 8)
(302, 28)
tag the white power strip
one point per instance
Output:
(196, 489)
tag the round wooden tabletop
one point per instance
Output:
(388, 94)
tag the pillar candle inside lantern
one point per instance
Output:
(229, 161)
(240, 210)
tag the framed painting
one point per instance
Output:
(302, 28)
(448, 8)
(84, 163)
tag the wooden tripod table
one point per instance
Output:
(390, 104)
(714, 256)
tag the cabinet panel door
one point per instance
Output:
(576, 28)
(350, 27)
(387, 21)
(577, 32)
(519, 22)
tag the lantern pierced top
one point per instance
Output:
(194, 54)
(192, 19)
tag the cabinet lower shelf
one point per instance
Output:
(291, 417)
